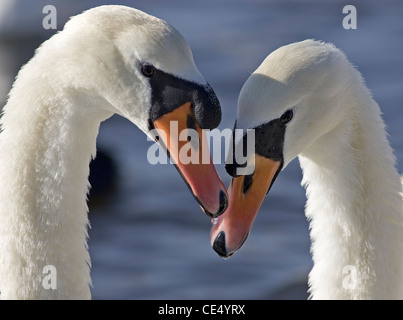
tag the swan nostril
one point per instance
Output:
(219, 245)
(223, 204)
(247, 182)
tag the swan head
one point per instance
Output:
(141, 68)
(288, 103)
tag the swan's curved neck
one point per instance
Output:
(355, 207)
(46, 145)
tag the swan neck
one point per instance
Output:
(46, 145)
(354, 206)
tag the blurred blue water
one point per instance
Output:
(150, 240)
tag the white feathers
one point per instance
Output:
(354, 201)
(78, 78)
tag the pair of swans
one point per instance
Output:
(305, 99)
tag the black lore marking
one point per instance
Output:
(269, 143)
(169, 92)
(269, 139)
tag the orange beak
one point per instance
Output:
(246, 194)
(192, 157)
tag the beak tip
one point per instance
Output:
(220, 247)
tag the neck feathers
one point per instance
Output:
(46, 146)
(355, 208)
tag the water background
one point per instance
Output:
(149, 239)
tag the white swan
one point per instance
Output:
(307, 100)
(110, 59)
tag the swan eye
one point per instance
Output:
(286, 116)
(147, 69)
